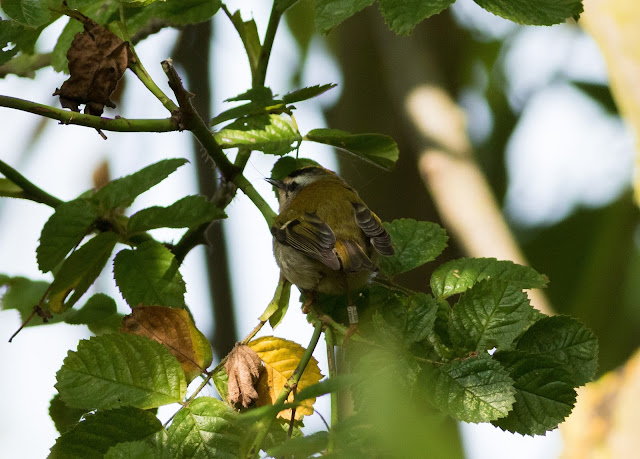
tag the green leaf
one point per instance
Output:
(421, 317)
(120, 369)
(327, 386)
(29, 13)
(98, 308)
(189, 211)
(415, 244)
(330, 13)
(541, 12)
(492, 314)
(248, 32)
(22, 294)
(63, 416)
(14, 39)
(403, 15)
(132, 450)
(380, 150)
(149, 276)
(271, 134)
(137, 3)
(567, 341)
(307, 93)
(98, 432)
(262, 95)
(279, 304)
(477, 389)
(204, 429)
(64, 230)
(221, 381)
(458, 275)
(80, 270)
(544, 393)
(171, 13)
(302, 446)
(123, 191)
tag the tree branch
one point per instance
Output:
(31, 191)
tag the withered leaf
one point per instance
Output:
(174, 328)
(243, 367)
(281, 357)
(97, 60)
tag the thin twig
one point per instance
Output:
(32, 192)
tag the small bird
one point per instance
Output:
(325, 238)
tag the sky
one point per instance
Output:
(564, 153)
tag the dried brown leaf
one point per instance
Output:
(174, 328)
(97, 60)
(243, 367)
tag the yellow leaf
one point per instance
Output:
(281, 357)
(174, 328)
(615, 26)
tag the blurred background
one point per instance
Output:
(542, 123)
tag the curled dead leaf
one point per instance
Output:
(97, 61)
(243, 367)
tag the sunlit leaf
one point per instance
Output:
(175, 329)
(281, 357)
(540, 12)
(120, 369)
(271, 134)
(307, 93)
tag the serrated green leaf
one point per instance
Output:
(80, 270)
(567, 341)
(544, 393)
(421, 317)
(492, 313)
(541, 12)
(29, 13)
(205, 429)
(98, 432)
(477, 389)
(403, 15)
(458, 275)
(23, 294)
(271, 134)
(63, 416)
(149, 276)
(415, 244)
(380, 150)
(307, 93)
(97, 308)
(64, 230)
(189, 211)
(221, 381)
(120, 369)
(262, 95)
(132, 450)
(330, 13)
(248, 32)
(123, 191)
(302, 446)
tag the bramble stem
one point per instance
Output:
(31, 191)
(291, 383)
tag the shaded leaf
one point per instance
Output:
(248, 32)
(330, 13)
(281, 357)
(567, 341)
(152, 18)
(64, 230)
(472, 390)
(80, 270)
(544, 395)
(204, 429)
(97, 308)
(97, 60)
(456, 276)
(29, 13)
(243, 367)
(492, 314)
(421, 316)
(302, 446)
(279, 304)
(23, 294)
(120, 369)
(271, 134)
(132, 450)
(307, 93)
(123, 191)
(327, 386)
(15, 38)
(541, 12)
(175, 329)
(188, 212)
(415, 243)
(403, 15)
(63, 416)
(98, 432)
(149, 275)
(378, 149)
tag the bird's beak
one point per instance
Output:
(277, 183)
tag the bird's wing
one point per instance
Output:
(372, 227)
(311, 236)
